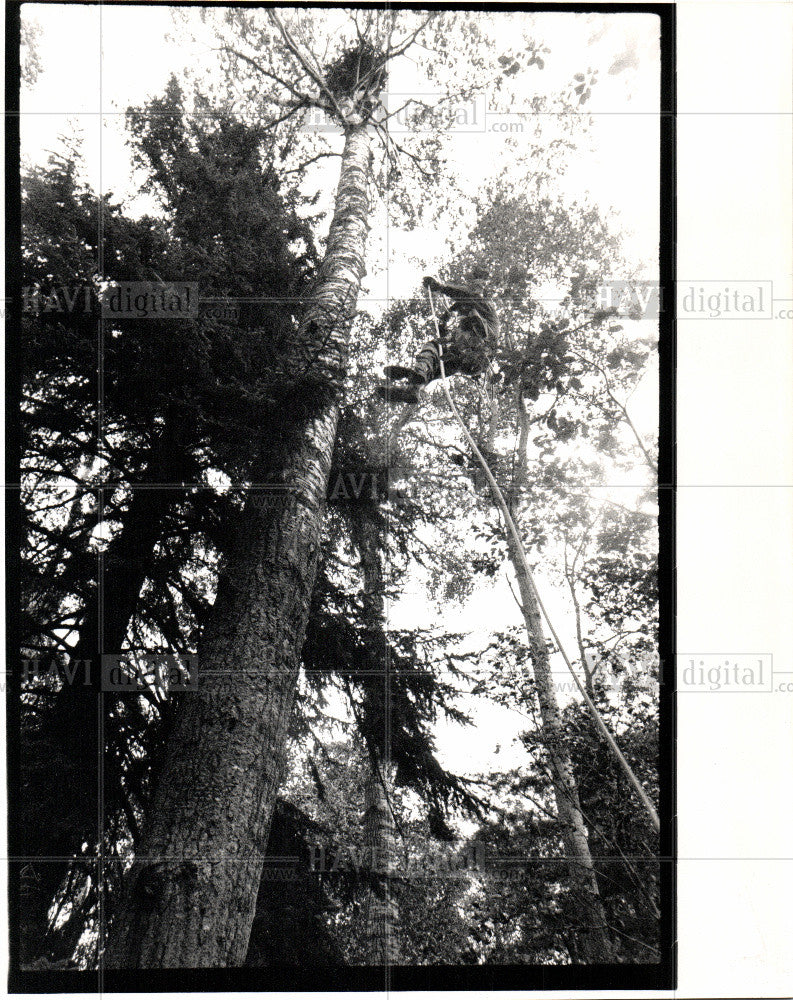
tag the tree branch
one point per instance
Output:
(301, 97)
(305, 163)
(304, 63)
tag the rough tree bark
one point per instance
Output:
(381, 945)
(381, 929)
(191, 892)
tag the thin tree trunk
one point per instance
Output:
(594, 940)
(381, 946)
(191, 892)
(381, 941)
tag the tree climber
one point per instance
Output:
(469, 337)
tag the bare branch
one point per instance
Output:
(406, 43)
(303, 98)
(392, 53)
(417, 160)
(305, 163)
(304, 61)
(284, 117)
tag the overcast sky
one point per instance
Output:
(99, 59)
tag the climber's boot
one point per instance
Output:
(398, 393)
(400, 371)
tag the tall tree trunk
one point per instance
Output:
(381, 931)
(593, 940)
(381, 945)
(593, 937)
(191, 892)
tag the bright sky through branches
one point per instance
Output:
(98, 60)
(619, 171)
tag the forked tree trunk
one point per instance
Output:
(191, 892)
(593, 936)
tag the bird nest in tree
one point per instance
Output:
(357, 72)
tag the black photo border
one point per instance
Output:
(657, 976)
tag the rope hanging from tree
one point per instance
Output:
(524, 565)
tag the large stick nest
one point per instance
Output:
(358, 72)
